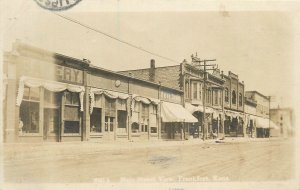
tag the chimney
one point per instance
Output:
(152, 70)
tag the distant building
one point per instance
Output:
(283, 118)
(250, 117)
(262, 112)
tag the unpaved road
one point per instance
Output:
(68, 163)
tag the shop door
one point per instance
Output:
(51, 124)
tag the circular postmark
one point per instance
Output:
(57, 5)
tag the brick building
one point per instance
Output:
(234, 91)
(189, 77)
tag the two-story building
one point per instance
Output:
(53, 97)
(233, 105)
(262, 112)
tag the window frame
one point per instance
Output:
(29, 101)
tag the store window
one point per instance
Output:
(134, 127)
(233, 97)
(72, 113)
(29, 111)
(240, 99)
(95, 122)
(122, 120)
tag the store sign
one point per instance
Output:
(67, 74)
(169, 95)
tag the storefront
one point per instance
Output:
(250, 125)
(262, 127)
(175, 121)
(234, 124)
(109, 112)
(49, 110)
(144, 118)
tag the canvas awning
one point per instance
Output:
(262, 123)
(52, 86)
(274, 126)
(171, 112)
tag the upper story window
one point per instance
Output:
(195, 91)
(226, 95)
(233, 97)
(216, 97)
(240, 99)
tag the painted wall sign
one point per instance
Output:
(169, 95)
(67, 74)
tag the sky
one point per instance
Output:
(257, 45)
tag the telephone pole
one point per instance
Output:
(205, 69)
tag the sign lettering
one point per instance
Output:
(67, 74)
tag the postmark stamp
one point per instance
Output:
(57, 5)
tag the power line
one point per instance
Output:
(114, 38)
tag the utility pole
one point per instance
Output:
(211, 67)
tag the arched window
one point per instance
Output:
(240, 99)
(226, 95)
(233, 97)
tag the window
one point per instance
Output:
(110, 107)
(135, 127)
(109, 123)
(29, 111)
(187, 89)
(216, 97)
(200, 91)
(145, 110)
(195, 91)
(144, 124)
(226, 95)
(240, 99)
(208, 96)
(95, 122)
(154, 109)
(71, 113)
(122, 120)
(233, 97)
(153, 129)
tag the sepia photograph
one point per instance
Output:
(172, 95)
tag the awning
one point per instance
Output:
(52, 86)
(171, 112)
(262, 123)
(191, 108)
(108, 93)
(274, 126)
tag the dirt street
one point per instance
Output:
(149, 162)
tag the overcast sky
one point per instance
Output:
(259, 46)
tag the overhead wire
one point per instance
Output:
(114, 38)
